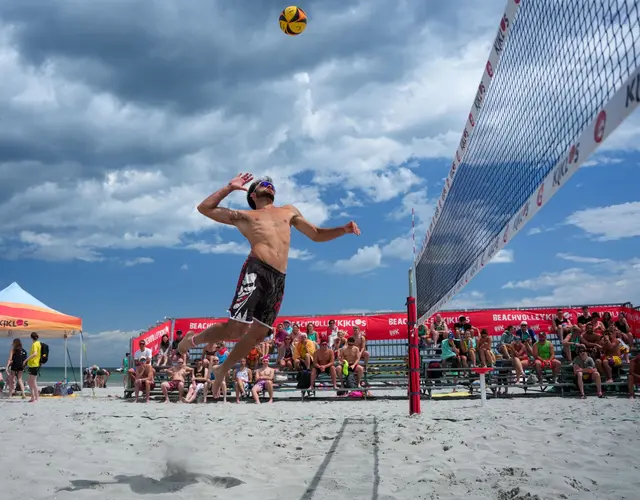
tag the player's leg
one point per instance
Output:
(257, 332)
(240, 313)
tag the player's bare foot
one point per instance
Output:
(186, 343)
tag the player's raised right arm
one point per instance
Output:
(210, 206)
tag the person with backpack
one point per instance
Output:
(33, 363)
(15, 364)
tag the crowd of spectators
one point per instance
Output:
(595, 346)
(341, 356)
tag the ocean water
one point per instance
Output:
(53, 374)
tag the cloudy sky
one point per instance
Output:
(119, 117)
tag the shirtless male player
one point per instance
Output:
(260, 288)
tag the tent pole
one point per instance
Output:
(66, 379)
(81, 372)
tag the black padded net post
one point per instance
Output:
(555, 65)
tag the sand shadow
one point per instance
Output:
(175, 479)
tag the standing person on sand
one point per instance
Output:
(33, 362)
(260, 289)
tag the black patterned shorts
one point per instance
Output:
(259, 293)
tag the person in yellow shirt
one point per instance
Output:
(303, 352)
(33, 362)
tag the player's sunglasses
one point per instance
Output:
(267, 184)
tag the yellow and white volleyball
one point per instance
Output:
(293, 20)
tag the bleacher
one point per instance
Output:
(387, 376)
(503, 376)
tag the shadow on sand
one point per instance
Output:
(175, 479)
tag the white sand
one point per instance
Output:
(549, 448)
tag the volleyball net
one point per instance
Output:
(560, 78)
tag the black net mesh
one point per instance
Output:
(562, 62)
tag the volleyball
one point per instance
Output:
(293, 20)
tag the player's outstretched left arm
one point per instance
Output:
(321, 234)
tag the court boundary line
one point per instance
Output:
(311, 489)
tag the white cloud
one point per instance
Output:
(613, 222)
(534, 230)
(184, 267)
(297, 254)
(364, 260)
(138, 260)
(351, 200)
(365, 146)
(598, 160)
(610, 282)
(502, 257)
(580, 259)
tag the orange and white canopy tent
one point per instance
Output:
(21, 314)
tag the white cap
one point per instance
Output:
(524, 323)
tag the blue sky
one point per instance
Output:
(105, 162)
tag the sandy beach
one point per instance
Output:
(104, 448)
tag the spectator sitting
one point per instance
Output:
(585, 317)
(487, 358)
(563, 325)
(469, 347)
(634, 376)
(214, 372)
(527, 335)
(519, 357)
(264, 381)
(164, 351)
(571, 343)
(278, 339)
(221, 352)
(612, 357)
(142, 352)
(624, 340)
(332, 331)
(607, 320)
(254, 356)
(311, 333)
(176, 341)
(323, 362)
(584, 369)
(622, 324)
(504, 345)
(361, 343)
(593, 342)
(177, 375)
(545, 357)
(287, 326)
(351, 356)
(438, 330)
(286, 359)
(596, 323)
(144, 378)
(294, 333)
(303, 353)
(198, 380)
(450, 355)
(242, 377)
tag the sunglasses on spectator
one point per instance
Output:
(267, 184)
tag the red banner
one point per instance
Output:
(496, 320)
(391, 326)
(152, 338)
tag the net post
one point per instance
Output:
(414, 352)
